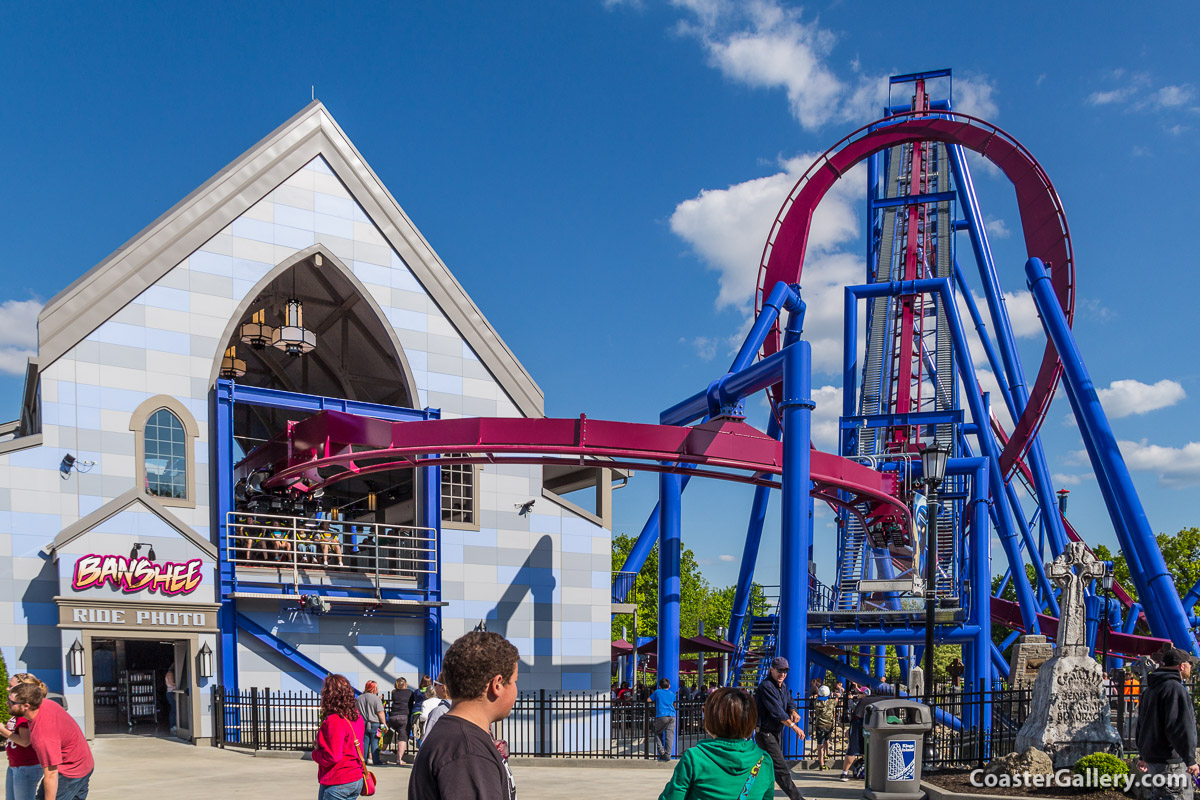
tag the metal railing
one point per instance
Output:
(593, 725)
(622, 586)
(274, 541)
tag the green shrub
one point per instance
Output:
(3, 682)
(1097, 764)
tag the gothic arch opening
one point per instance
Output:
(347, 350)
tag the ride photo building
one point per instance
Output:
(143, 528)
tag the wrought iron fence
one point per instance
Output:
(594, 725)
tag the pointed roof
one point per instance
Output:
(129, 499)
(109, 286)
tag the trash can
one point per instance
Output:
(893, 731)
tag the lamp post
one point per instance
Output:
(1106, 583)
(933, 470)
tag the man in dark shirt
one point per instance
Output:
(460, 760)
(1166, 732)
(776, 711)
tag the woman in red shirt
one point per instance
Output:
(24, 772)
(338, 749)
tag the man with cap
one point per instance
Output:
(1166, 731)
(775, 712)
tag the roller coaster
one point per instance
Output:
(909, 380)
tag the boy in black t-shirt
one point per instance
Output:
(460, 760)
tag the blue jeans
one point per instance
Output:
(68, 788)
(371, 743)
(21, 782)
(341, 791)
(171, 708)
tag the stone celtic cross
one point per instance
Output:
(1072, 639)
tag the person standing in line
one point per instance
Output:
(854, 736)
(169, 682)
(338, 749)
(62, 752)
(777, 710)
(461, 760)
(728, 765)
(24, 772)
(440, 707)
(662, 700)
(402, 701)
(370, 708)
(823, 720)
(1166, 730)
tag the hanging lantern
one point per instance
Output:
(231, 365)
(291, 337)
(257, 333)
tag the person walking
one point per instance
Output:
(62, 751)
(662, 700)
(823, 719)
(24, 771)
(1166, 730)
(728, 765)
(776, 710)
(338, 749)
(399, 712)
(460, 760)
(370, 708)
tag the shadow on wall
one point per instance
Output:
(43, 651)
(535, 577)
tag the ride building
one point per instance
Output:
(141, 531)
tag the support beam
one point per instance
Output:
(670, 508)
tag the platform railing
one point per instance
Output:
(373, 549)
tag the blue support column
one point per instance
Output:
(796, 524)
(670, 508)
(431, 509)
(1155, 587)
(222, 437)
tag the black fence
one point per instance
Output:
(593, 725)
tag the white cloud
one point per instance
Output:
(762, 44)
(728, 227)
(1175, 466)
(1065, 479)
(705, 346)
(826, 416)
(997, 228)
(1136, 92)
(18, 334)
(726, 558)
(1126, 397)
(973, 95)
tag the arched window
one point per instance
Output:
(166, 461)
(165, 450)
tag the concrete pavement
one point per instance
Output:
(142, 767)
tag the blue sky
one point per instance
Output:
(601, 177)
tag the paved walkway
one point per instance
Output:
(164, 768)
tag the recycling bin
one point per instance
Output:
(893, 732)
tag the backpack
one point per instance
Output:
(824, 713)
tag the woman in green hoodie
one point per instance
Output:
(730, 766)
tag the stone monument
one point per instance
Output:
(1028, 655)
(1070, 717)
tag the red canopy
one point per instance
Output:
(694, 644)
(621, 648)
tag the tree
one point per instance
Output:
(1180, 551)
(698, 600)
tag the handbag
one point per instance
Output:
(750, 781)
(368, 777)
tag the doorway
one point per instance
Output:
(130, 694)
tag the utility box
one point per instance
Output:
(893, 735)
